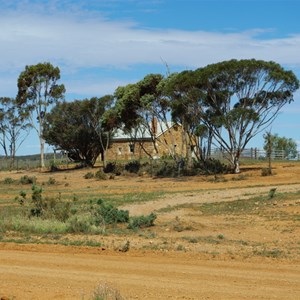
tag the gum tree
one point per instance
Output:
(38, 91)
(241, 98)
(77, 128)
(14, 127)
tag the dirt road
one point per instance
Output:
(58, 272)
(210, 196)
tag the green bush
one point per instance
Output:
(100, 175)
(112, 167)
(28, 179)
(110, 214)
(106, 292)
(51, 181)
(165, 168)
(89, 175)
(133, 166)
(81, 223)
(211, 166)
(266, 172)
(142, 221)
(8, 180)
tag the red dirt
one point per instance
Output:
(162, 264)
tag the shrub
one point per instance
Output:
(51, 181)
(81, 223)
(109, 168)
(272, 193)
(133, 166)
(100, 175)
(266, 172)
(106, 292)
(110, 214)
(89, 175)
(37, 201)
(28, 179)
(112, 167)
(8, 180)
(53, 166)
(46, 208)
(142, 221)
(165, 169)
(211, 166)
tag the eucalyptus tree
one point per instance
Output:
(141, 109)
(38, 91)
(186, 109)
(241, 98)
(77, 127)
(14, 127)
(287, 146)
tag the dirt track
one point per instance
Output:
(54, 272)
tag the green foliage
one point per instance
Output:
(165, 168)
(51, 181)
(81, 223)
(110, 214)
(100, 175)
(211, 166)
(272, 193)
(77, 128)
(89, 175)
(8, 180)
(266, 172)
(28, 179)
(37, 201)
(14, 127)
(142, 221)
(273, 143)
(133, 166)
(106, 292)
(112, 167)
(38, 89)
(243, 97)
(273, 253)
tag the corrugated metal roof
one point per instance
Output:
(142, 132)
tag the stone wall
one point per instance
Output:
(168, 142)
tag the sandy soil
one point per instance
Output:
(187, 255)
(56, 272)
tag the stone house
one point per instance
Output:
(156, 141)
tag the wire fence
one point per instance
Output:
(257, 154)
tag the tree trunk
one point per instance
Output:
(236, 165)
(42, 148)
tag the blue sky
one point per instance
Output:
(100, 45)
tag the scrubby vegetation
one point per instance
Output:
(38, 214)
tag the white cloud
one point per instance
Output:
(85, 41)
(75, 39)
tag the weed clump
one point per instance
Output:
(266, 172)
(27, 179)
(110, 214)
(8, 180)
(106, 292)
(89, 175)
(142, 221)
(100, 175)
